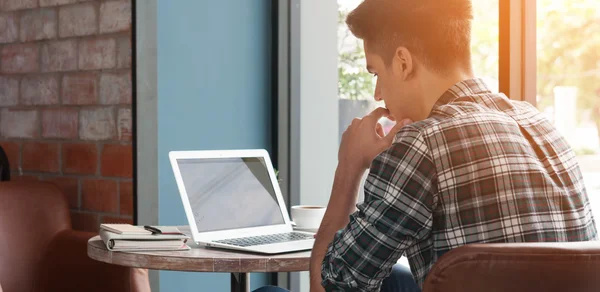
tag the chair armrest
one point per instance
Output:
(66, 267)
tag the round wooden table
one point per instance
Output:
(200, 259)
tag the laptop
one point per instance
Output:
(232, 200)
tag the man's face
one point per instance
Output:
(392, 87)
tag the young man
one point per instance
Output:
(463, 165)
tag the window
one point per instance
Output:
(356, 85)
(484, 41)
(568, 75)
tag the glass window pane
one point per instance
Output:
(568, 75)
(356, 85)
(484, 41)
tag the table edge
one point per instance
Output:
(99, 253)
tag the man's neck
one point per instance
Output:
(434, 86)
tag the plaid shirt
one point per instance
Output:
(480, 169)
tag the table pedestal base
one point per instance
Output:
(240, 282)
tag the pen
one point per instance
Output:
(154, 230)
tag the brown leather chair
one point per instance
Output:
(518, 267)
(40, 252)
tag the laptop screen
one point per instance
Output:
(230, 193)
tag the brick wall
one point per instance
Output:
(65, 101)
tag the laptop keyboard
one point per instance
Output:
(266, 239)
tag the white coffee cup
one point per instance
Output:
(307, 216)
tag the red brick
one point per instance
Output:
(85, 221)
(98, 53)
(44, 3)
(39, 24)
(115, 16)
(100, 195)
(39, 90)
(80, 88)
(117, 160)
(24, 177)
(126, 197)
(124, 124)
(69, 186)
(9, 91)
(115, 88)
(79, 158)
(97, 124)
(8, 27)
(60, 123)
(19, 123)
(59, 56)
(77, 20)
(6, 5)
(117, 220)
(20, 58)
(13, 150)
(40, 157)
(124, 52)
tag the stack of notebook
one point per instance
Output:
(127, 237)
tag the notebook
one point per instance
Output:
(124, 229)
(143, 242)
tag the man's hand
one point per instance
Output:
(364, 139)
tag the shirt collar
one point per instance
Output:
(465, 88)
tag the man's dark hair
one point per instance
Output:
(437, 32)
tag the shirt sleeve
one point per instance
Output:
(396, 214)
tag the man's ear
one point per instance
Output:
(403, 63)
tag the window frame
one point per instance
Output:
(307, 134)
(517, 49)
